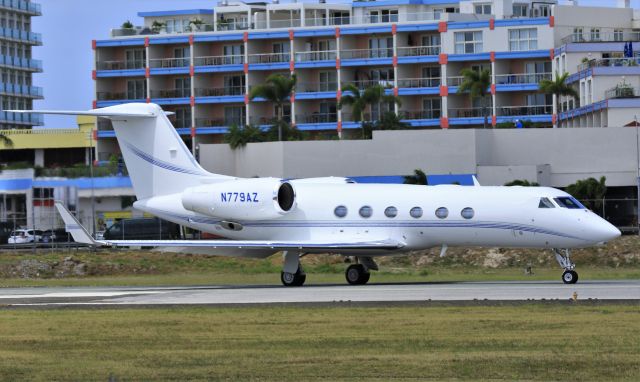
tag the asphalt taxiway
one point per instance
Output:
(380, 293)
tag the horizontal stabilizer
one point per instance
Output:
(95, 112)
(71, 225)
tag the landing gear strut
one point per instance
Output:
(292, 273)
(569, 276)
(358, 274)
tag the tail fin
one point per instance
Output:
(157, 159)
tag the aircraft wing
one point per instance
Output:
(230, 247)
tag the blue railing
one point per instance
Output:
(28, 119)
(22, 5)
(34, 91)
(20, 62)
(21, 35)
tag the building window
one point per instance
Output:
(340, 211)
(595, 34)
(467, 213)
(135, 58)
(523, 39)
(468, 42)
(366, 212)
(234, 115)
(381, 47)
(391, 212)
(233, 54)
(431, 107)
(442, 212)
(328, 81)
(183, 117)
(618, 35)
(383, 16)
(578, 34)
(136, 89)
(519, 10)
(416, 212)
(182, 87)
(483, 9)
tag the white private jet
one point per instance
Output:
(262, 216)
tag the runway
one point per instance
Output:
(319, 294)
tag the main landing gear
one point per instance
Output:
(292, 273)
(569, 276)
(358, 274)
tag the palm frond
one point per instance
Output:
(6, 141)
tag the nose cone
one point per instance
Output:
(606, 231)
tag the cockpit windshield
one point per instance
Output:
(570, 203)
(545, 203)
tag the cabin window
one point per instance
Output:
(340, 211)
(366, 212)
(467, 213)
(570, 203)
(416, 212)
(442, 212)
(391, 212)
(545, 203)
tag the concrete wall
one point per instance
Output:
(555, 157)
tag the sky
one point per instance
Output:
(67, 28)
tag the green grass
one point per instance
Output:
(535, 342)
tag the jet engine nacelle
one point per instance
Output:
(244, 199)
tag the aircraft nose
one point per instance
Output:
(607, 231)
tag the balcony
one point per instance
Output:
(411, 51)
(524, 78)
(219, 60)
(21, 90)
(121, 65)
(455, 80)
(470, 112)
(169, 62)
(22, 5)
(321, 55)
(144, 31)
(354, 54)
(515, 111)
(21, 63)
(269, 58)
(624, 35)
(317, 117)
(21, 36)
(607, 62)
(117, 96)
(264, 121)
(622, 91)
(286, 23)
(21, 119)
(419, 82)
(220, 92)
(224, 25)
(171, 93)
(215, 122)
(314, 87)
(364, 84)
(420, 114)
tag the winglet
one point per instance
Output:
(475, 181)
(71, 225)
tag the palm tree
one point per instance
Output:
(238, 136)
(360, 100)
(418, 177)
(558, 88)
(476, 83)
(522, 182)
(5, 140)
(277, 89)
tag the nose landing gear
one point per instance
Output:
(569, 276)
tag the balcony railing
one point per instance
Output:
(523, 78)
(622, 92)
(171, 93)
(104, 124)
(23, 119)
(22, 90)
(232, 25)
(321, 55)
(470, 112)
(524, 110)
(143, 30)
(22, 5)
(605, 62)
(115, 96)
(22, 63)
(219, 60)
(420, 114)
(455, 80)
(268, 58)
(366, 53)
(418, 51)
(219, 92)
(419, 82)
(211, 122)
(287, 23)
(587, 36)
(310, 87)
(364, 84)
(16, 34)
(316, 117)
(168, 62)
(255, 120)
(121, 65)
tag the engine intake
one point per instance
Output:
(244, 199)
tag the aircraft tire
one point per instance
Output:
(293, 279)
(570, 277)
(356, 274)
